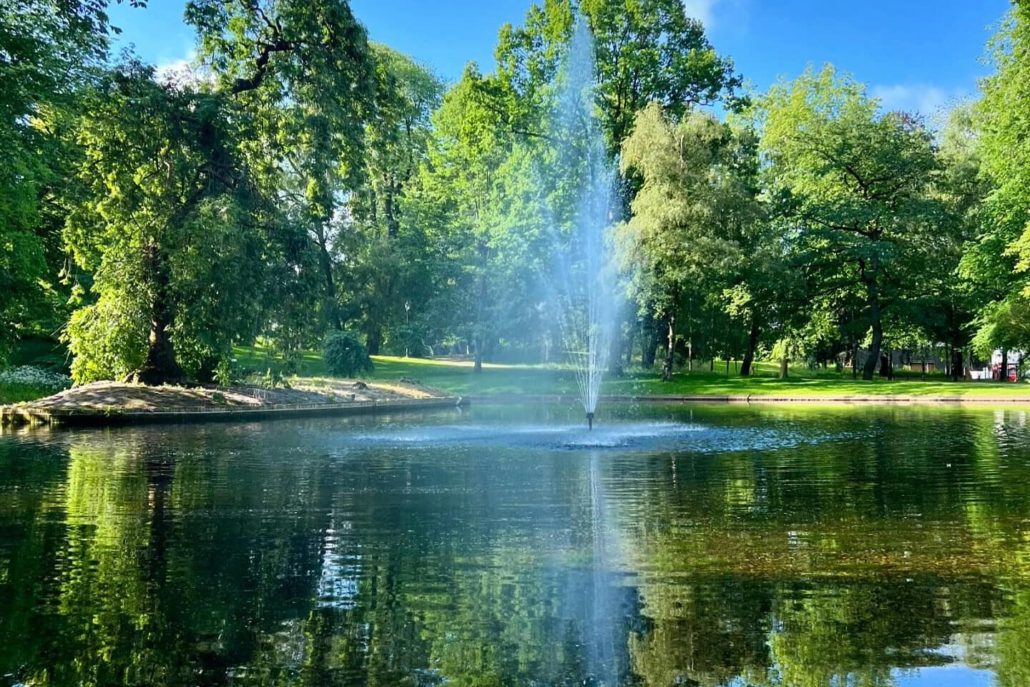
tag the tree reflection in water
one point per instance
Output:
(281, 553)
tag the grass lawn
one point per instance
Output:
(458, 377)
(16, 393)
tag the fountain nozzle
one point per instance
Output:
(590, 420)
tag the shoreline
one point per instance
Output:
(751, 399)
(113, 403)
(32, 414)
(21, 416)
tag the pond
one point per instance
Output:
(501, 545)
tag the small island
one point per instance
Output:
(109, 403)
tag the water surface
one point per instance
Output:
(731, 546)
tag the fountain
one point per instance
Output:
(587, 302)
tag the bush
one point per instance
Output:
(345, 355)
(28, 383)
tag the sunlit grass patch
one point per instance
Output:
(459, 377)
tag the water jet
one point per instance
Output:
(587, 300)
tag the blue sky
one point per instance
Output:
(915, 54)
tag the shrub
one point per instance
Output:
(227, 372)
(27, 383)
(29, 375)
(345, 355)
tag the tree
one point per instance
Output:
(648, 51)
(461, 179)
(171, 227)
(997, 261)
(306, 70)
(389, 258)
(695, 206)
(946, 303)
(859, 184)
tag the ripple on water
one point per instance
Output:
(638, 436)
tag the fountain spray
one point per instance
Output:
(587, 302)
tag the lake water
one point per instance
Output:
(703, 545)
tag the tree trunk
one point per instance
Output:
(874, 348)
(784, 367)
(480, 309)
(630, 335)
(670, 349)
(392, 222)
(752, 344)
(873, 294)
(325, 262)
(160, 365)
(957, 365)
(374, 340)
(1003, 371)
(649, 345)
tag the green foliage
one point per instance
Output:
(29, 382)
(305, 181)
(305, 73)
(857, 185)
(169, 225)
(997, 258)
(648, 51)
(50, 49)
(345, 355)
(693, 219)
(389, 251)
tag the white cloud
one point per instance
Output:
(170, 70)
(930, 101)
(182, 72)
(702, 10)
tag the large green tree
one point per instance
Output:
(694, 212)
(997, 261)
(646, 51)
(170, 226)
(305, 69)
(390, 258)
(858, 181)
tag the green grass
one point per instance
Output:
(458, 377)
(804, 383)
(258, 359)
(16, 393)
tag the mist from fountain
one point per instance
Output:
(587, 302)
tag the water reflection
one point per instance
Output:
(771, 547)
